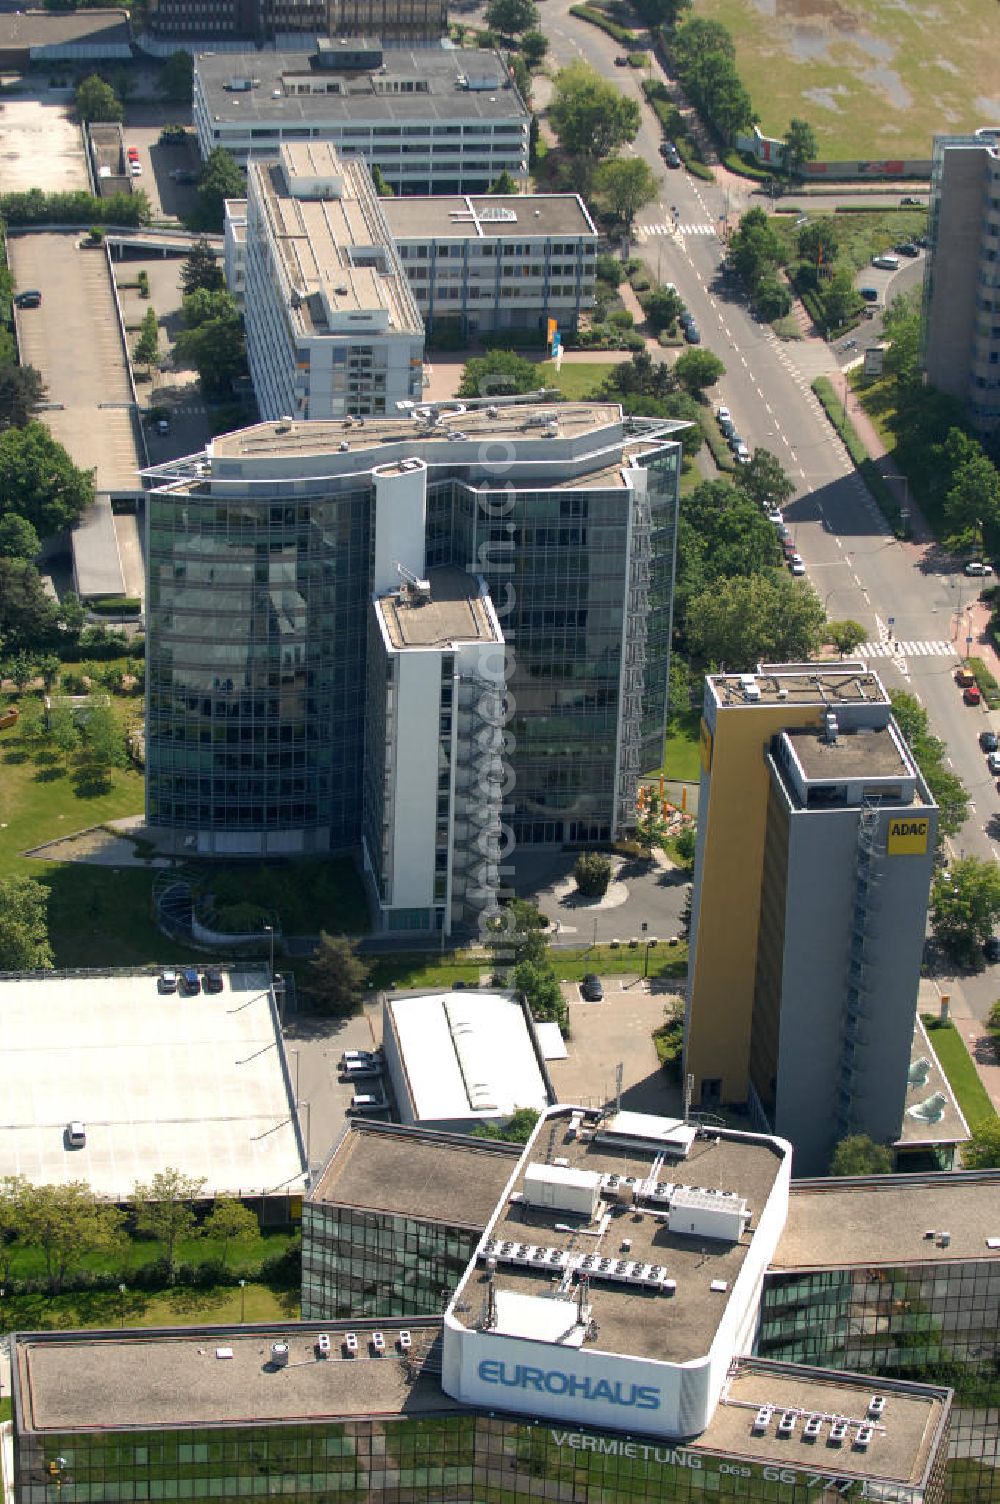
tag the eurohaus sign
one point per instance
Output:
(525, 1376)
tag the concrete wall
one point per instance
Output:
(952, 271)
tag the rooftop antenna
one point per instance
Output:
(619, 1075)
(582, 1302)
(688, 1094)
(489, 1320)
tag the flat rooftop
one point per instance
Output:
(871, 752)
(441, 96)
(632, 1319)
(159, 1080)
(902, 1446)
(415, 1172)
(890, 1219)
(115, 1380)
(39, 28)
(464, 1056)
(800, 684)
(464, 217)
(334, 249)
(455, 610)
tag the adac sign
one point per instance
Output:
(907, 837)
(552, 1381)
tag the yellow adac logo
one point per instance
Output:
(705, 746)
(907, 837)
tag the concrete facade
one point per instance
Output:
(805, 955)
(962, 279)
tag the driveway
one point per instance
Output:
(616, 1031)
(645, 897)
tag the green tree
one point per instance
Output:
(18, 539)
(685, 842)
(841, 300)
(755, 249)
(39, 481)
(982, 1152)
(24, 931)
(147, 346)
(214, 341)
(590, 117)
(200, 270)
(819, 241)
(541, 991)
(64, 734)
(163, 1209)
(663, 306)
(845, 635)
(697, 370)
(901, 326)
(68, 1224)
(13, 1189)
(220, 178)
(662, 12)
(378, 180)
(801, 146)
(859, 1155)
(500, 373)
(96, 100)
(517, 934)
(650, 826)
(230, 1221)
(517, 1131)
(523, 81)
(337, 976)
(534, 46)
(965, 906)
(103, 742)
(764, 480)
(697, 39)
(769, 617)
(176, 80)
(626, 184)
(592, 874)
(950, 793)
(505, 184)
(973, 502)
(71, 613)
(510, 17)
(28, 617)
(771, 298)
(21, 390)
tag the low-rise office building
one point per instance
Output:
(500, 262)
(394, 1217)
(269, 21)
(331, 324)
(438, 120)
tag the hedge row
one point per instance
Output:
(873, 478)
(746, 167)
(283, 1271)
(116, 605)
(987, 683)
(37, 208)
(721, 453)
(603, 23)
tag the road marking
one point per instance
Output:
(887, 647)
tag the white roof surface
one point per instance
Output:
(466, 1055)
(160, 1081)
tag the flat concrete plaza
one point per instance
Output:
(41, 145)
(159, 1080)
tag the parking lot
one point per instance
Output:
(617, 1030)
(168, 198)
(40, 145)
(73, 340)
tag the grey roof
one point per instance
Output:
(458, 216)
(38, 28)
(440, 68)
(97, 562)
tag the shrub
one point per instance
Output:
(592, 874)
(987, 683)
(143, 284)
(116, 605)
(609, 269)
(603, 23)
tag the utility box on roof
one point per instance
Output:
(562, 1189)
(704, 1213)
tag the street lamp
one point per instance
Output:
(269, 931)
(645, 962)
(121, 1292)
(243, 1301)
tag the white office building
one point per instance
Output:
(331, 325)
(497, 262)
(438, 120)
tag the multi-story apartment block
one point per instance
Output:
(805, 953)
(497, 262)
(433, 121)
(962, 277)
(265, 553)
(331, 324)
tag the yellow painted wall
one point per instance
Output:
(725, 959)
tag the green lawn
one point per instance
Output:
(27, 1262)
(182, 1306)
(858, 236)
(578, 380)
(5, 1408)
(682, 759)
(958, 1066)
(568, 965)
(937, 73)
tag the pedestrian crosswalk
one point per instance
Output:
(904, 649)
(647, 232)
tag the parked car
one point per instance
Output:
(886, 262)
(190, 983)
(870, 294)
(993, 763)
(692, 333)
(989, 741)
(350, 1069)
(972, 695)
(788, 548)
(723, 415)
(773, 514)
(964, 676)
(621, 61)
(976, 567)
(31, 298)
(909, 202)
(670, 154)
(365, 1102)
(135, 168)
(685, 319)
(133, 153)
(591, 989)
(907, 248)
(213, 980)
(734, 440)
(991, 950)
(167, 980)
(76, 1134)
(797, 564)
(741, 454)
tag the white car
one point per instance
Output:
(723, 415)
(887, 261)
(135, 168)
(774, 515)
(993, 763)
(977, 567)
(741, 454)
(76, 1134)
(796, 564)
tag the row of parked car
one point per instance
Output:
(365, 1068)
(188, 981)
(740, 452)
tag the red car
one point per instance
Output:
(972, 695)
(133, 154)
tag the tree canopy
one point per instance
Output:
(163, 1209)
(39, 481)
(771, 617)
(626, 185)
(801, 146)
(21, 390)
(200, 270)
(29, 618)
(697, 370)
(703, 55)
(948, 789)
(590, 117)
(500, 373)
(534, 45)
(24, 932)
(337, 976)
(859, 1155)
(764, 480)
(511, 17)
(176, 79)
(68, 1224)
(220, 178)
(213, 339)
(18, 539)
(982, 1152)
(96, 100)
(965, 907)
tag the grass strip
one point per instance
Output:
(959, 1067)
